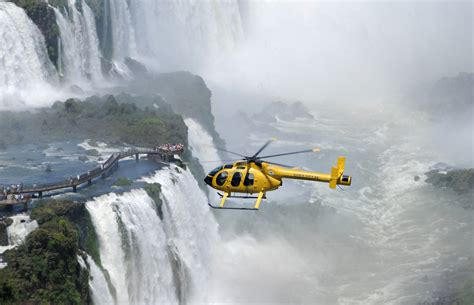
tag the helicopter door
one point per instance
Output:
(236, 179)
(249, 180)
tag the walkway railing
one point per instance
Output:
(87, 177)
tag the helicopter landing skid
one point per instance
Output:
(231, 208)
(242, 197)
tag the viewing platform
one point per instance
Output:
(22, 194)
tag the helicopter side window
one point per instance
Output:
(236, 179)
(221, 178)
(228, 166)
(249, 180)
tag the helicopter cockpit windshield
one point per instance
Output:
(215, 170)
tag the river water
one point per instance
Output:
(387, 239)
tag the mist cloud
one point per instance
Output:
(352, 51)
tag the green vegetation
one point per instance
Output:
(77, 214)
(45, 269)
(98, 119)
(123, 181)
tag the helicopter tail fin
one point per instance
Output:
(336, 172)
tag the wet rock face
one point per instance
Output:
(459, 180)
(3, 234)
(136, 67)
(448, 96)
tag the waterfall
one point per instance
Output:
(79, 45)
(98, 285)
(151, 260)
(20, 228)
(133, 248)
(25, 68)
(123, 33)
(186, 33)
(189, 225)
(92, 43)
(17, 232)
(201, 144)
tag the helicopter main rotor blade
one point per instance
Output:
(263, 147)
(231, 152)
(279, 164)
(216, 161)
(292, 153)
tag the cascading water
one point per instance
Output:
(94, 54)
(133, 248)
(99, 288)
(202, 147)
(189, 225)
(154, 261)
(201, 144)
(79, 45)
(123, 33)
(167, 35)
(184, 34)
(24, 63)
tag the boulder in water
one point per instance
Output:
(460, 180)
(136, 67)
(76, 89)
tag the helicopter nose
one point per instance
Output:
(208, 180)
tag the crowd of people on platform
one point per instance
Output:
(170, 148)
(7, 192)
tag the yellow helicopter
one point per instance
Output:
(252, 175)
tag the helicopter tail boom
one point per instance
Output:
(334, 178)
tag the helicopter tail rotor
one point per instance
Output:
(337, 174)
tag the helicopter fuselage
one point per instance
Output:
(256, 177)
(253, 175)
